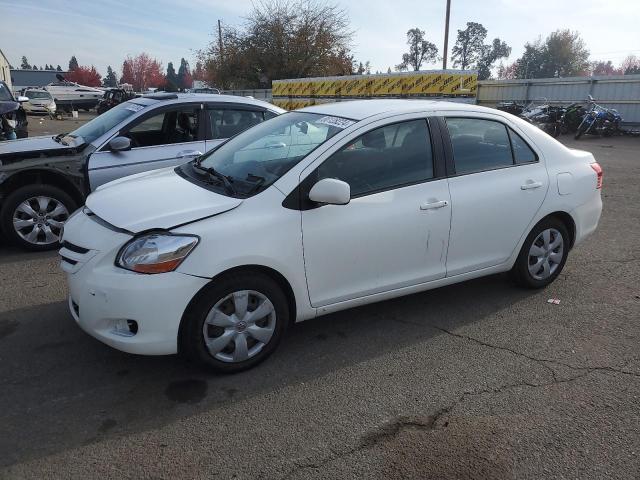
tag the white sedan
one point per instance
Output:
(319, 210)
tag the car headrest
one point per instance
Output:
(374, 139)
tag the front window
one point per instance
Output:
(31, 94)
(103, 123)
(258, 157)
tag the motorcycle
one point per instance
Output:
(544, 116)
(599, 120)
(572, 117)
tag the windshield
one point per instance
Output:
(105, 122)
(35, 94)
(255, 159)
(5, 94)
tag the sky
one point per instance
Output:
(104, 32)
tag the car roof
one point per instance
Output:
(171, 98)
(360, 109)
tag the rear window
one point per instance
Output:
(480, 144)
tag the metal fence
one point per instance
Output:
(258, 93)
(621, 92)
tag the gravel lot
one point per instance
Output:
(477, 380)
(44, 125)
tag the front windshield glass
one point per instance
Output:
(5, 94)
(36, 94)
(105, 122)
(256, 158)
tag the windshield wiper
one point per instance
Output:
(58, 138)
(226, 181)
(257, 183)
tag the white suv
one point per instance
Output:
(319, 210)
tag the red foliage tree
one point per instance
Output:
(142, 72)
(88, 76)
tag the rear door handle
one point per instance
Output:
(188, 154)
(434, 205)
(530, 185)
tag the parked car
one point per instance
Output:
(44, 179)
(40, 101)
(13, 118)
(319, 210)
(113, 97)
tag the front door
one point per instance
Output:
(162, 139)
(393, 233)
(498, 186)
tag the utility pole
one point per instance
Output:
(220, 37)
(446, 37)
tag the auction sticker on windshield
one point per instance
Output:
(337, 122)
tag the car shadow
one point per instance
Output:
(62, 388)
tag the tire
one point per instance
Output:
(528, 260)
(579, 132)
(47, 216)
(223, 325)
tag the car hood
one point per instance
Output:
(158, 199)
(31, 147)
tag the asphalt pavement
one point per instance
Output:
(476, 380)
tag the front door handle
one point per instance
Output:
(530, 185)
(434, 205)
(188, 154)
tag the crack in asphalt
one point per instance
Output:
(542, 361)
(394, 428)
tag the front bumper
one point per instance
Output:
(105, 299)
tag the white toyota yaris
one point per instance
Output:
(319, 210)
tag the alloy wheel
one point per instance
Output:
(239, 326)
(545, 254)
(39, 220)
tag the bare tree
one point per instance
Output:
(420, 51)
(281, 39)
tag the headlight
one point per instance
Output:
(156, 252)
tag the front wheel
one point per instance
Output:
(32, 216)
(543, 254)
(235, 322)
(582, 128)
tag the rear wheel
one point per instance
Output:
(543, 254)
(32, 216)
(235, 323)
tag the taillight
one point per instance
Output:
(598, 169)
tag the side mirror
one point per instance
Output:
(22, 99)
(120, 144)
(331, 191)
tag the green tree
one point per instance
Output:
(73, 63)
(25, 64)
(58, 68)
(562, 54)
(420, 51)
(110, 80)
(172, 79)
(491, 53)
(184, 75)
(469, 45)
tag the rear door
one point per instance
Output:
(164, 137)
(224, 120)
(497, 184)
